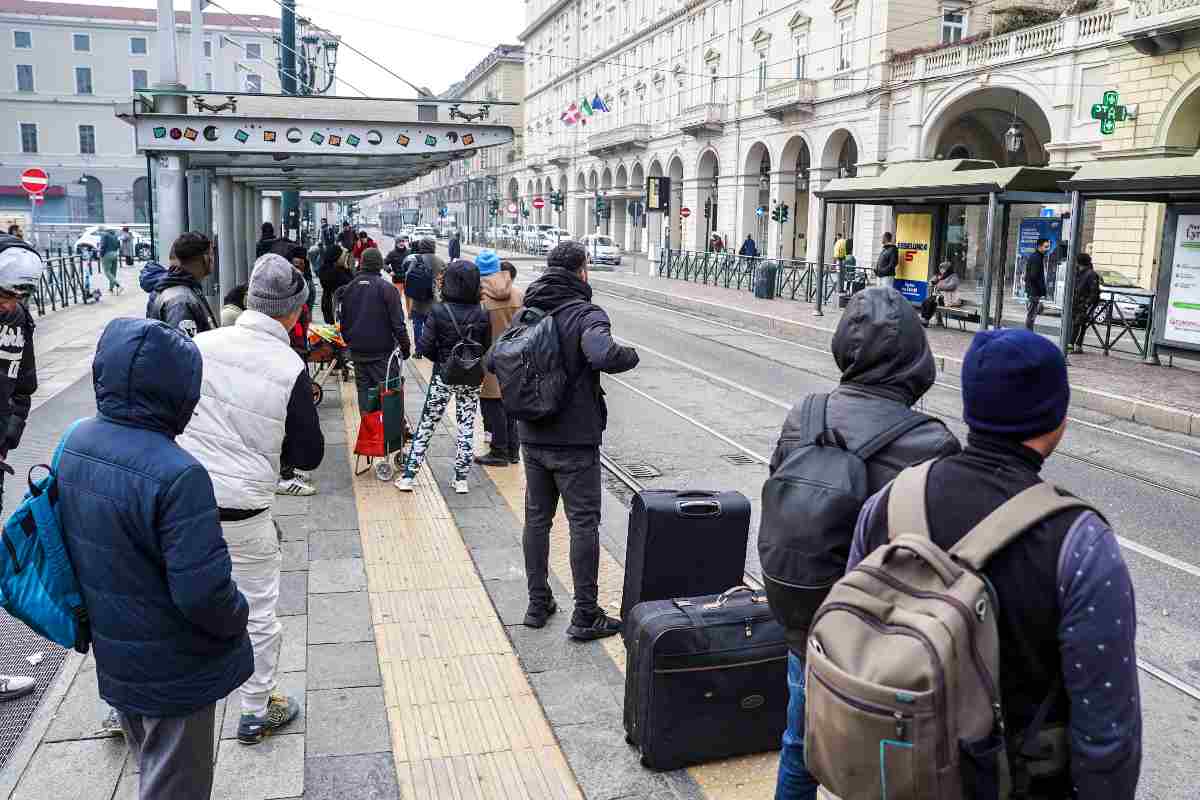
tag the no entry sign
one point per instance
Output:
(539, 202)
(685, 212)
(34, 180)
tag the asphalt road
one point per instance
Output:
(705, 407)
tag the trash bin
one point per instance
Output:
(764, 281)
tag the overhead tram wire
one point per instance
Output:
(271, 36)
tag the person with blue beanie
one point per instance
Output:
(501, 300)
(1066, 617)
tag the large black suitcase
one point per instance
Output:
(705, 678)
(684, 544)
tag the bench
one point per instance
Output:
(961, 314)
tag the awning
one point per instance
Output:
(1153, 180)
(964, 181)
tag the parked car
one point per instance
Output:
(602, 249)
(89, 241)
(423, 232)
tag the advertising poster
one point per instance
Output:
(1032, 229)
(914, 234)
(1183, 299)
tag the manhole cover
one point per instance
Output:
(641, 470)
(739, 458)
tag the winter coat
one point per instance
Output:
(421, 307)
(1087, 292)
(460, 294)
(347, 239)
(1035, 274)
(18, 379)
(141, 528)
(454, 248)
(588, 349)
(885, 265)
(749, 248)
(180, 302)
(110, 245)
(151, 275)
(372, 317)
(278, 246)
(1058, 606)
(394, 260)
(501, 300)
(126, 240)
(360, 245)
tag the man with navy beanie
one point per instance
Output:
(1066, 608)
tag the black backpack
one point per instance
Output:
(528, 363)
(810, 506)
(465, 366)
(418, 279)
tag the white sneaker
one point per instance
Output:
(111, 724)
(295, 487)
(460, 487)
(14, 686)
(404, 484)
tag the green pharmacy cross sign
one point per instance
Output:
(1109, 113)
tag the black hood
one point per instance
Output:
(268, 230)
(461, 283)
(555, 287)
(177, 277)
(880, 346)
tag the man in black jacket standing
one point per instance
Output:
(372, 324)
(887, 366)
(1035, 281)
(179, 300)
(562, 451)
(885, 264)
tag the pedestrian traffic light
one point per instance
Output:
(775, 214)
(556, 200)
(783, 212)
(493, 207)
(524, 210)
(601, 205)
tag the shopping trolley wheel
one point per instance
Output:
(345, 376)
(384, 470)
(398, 459)
(318, 393)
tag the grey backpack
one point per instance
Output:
(903, 663)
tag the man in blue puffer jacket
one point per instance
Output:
(140, 520)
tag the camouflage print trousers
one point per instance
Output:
(438, 397)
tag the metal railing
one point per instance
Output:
(1109, 317)
(789, 278)
(67, 280)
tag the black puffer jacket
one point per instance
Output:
(373, 317)
(180, 303)
(460, 296)
(588, 349)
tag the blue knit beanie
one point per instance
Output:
(1014, 384)
(488, 262)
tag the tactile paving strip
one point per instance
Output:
(19, 642)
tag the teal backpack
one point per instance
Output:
(37, 582)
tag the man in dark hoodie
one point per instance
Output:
(179, 300)
(372, 324)
(270, 243)
(887, 366)
(885, 264)
(562, 451)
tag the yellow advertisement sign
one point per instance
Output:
(914, 238)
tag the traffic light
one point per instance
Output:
(783, 210)
(556, 200)
(524, 210)
(601, 206)
(493, 207)
(708, 207)
(775, 214)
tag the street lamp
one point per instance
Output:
(1014, 138)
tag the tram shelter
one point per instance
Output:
(213, 156)
(937, 207)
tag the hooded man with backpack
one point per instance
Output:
(422, 276)
(865, 428)
(1058, 599)
(562, 446)
(179, 298)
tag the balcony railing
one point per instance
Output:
(624, 137)
(1160, 20)
(535, 159)
(704, 118)
(1053, 37)
(789, 96)
(559, 154)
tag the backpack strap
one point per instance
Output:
(1010, 520)
(815, 406)
(906, 502)
(884, 438)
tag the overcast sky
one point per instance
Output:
(428, 42)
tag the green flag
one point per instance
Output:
(586, 107)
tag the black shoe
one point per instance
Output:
(601, 627)
(539, 613)
(493, 458)
(515, 456)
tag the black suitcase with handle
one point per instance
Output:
(705, 678)
(684, 544)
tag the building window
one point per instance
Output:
(23, 40)
(253, 83)
(29, 137)
(87, 140)
(24, 77)
(83, 80)
(761, 83)
(801, 42)
(82, 42)
(137, 45)
(845, 38)
(208, 84)
(141, 79)
(954, 23)
(208, 48)
(254, 51)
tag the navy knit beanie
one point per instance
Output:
(1014, 384)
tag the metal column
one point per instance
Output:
(251, 227)
(239, 234)
(200, 216)
(196, 50)
(823, 211)
(989, 242)
(1002, 272)
(1067, 325)
(226, 234)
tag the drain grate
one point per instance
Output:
(740, 459)
(16, 642)
(642, 470)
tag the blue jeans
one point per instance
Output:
(795, 781)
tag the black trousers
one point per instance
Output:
(366, 375)
(572, 473)
(1034, 305)
(505, 437)
(327, 305)
(1080, 325)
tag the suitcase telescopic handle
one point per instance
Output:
(698, 508)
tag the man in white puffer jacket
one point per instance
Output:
(256, 409)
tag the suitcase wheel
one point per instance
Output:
(645, 762)
(629, 740)
(384, 470)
